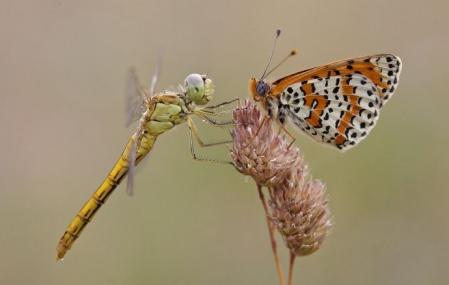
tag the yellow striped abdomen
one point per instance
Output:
(106, 188)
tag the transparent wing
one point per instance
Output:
(138, 135)
(155, 77)
(135, 98)
(339, 103)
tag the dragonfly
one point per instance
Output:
(158, 114)
(337, 104)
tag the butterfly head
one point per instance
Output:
(199, 88)
(258, 89)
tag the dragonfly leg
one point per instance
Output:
(214, 122)
(211, 111)
(215, 118)
(215, 113)
(213, 107)
(193, 132)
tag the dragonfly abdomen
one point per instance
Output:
(99, 197)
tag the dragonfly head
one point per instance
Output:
(258, 89)
(199, 88)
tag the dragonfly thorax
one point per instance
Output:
(199, 88)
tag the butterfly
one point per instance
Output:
(338, 103)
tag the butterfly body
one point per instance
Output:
(338, 103)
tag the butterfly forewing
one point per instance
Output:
(339, 103)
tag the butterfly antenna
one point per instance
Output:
(292, 53)
(278, 33)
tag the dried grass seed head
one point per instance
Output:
(300, 211)
(259, 150)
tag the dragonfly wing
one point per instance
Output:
(155, 77)
(339, 103)
(135, 98)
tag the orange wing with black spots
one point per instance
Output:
(337, 103)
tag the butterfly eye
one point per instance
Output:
(262, 88)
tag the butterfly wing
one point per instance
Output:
(339, 103)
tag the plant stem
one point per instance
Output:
(291, 267)
(272, 239)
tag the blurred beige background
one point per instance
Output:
(62, 78)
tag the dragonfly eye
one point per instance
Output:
(198, 89)
(262, 88)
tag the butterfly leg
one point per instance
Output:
(193, 132)
(282, 128)
(261, 125)
(258, 130)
